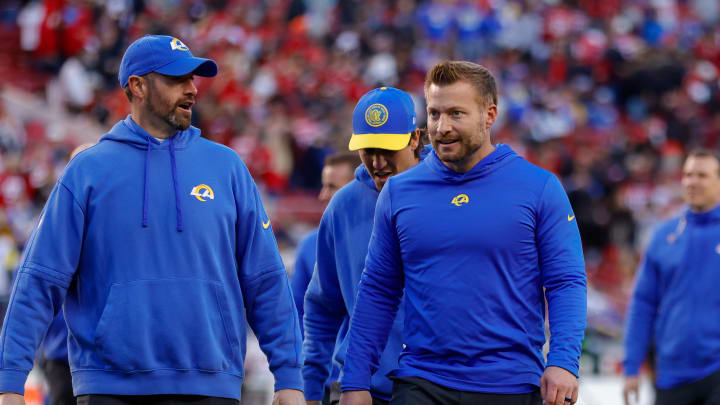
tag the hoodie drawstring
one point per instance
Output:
(178, 209)
(147, 183)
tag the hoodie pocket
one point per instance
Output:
(166, 324)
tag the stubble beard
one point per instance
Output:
(170, 117)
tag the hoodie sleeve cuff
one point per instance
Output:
(288, 378)
(13, 381)
(353, 383)
(566, 367)
(314, 389)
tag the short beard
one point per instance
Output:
(169, 118)
(173, 121)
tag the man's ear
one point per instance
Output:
(415, 139)
(492, 113)
(137, 86)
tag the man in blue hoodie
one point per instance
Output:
(676, 303)
(55, 366)
(156, 246)
(338, 170)
(477, 238)
(385, 133)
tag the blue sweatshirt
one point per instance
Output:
(473, 252)
(160, 252)
(676, 302)
(54, 345)
(304, 266)
(343, 237)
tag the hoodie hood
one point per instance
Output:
(702, 218)
(364, 177)
(129, 132)
(502, 155)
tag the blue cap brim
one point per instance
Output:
(197, 66)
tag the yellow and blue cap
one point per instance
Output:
(384, 118)
(162, 54)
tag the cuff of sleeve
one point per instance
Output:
(565, 366)
(288, 378)
(349, 383)
(314, 389)
(631, 370)
(13, 381)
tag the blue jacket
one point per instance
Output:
(675, 304)
(161, 253)
(304, 266)
(54, 346)
(473, 252)
(343, 237)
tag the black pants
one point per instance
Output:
(418, 391)
(702, 392)
(59, 380)
(153, 400)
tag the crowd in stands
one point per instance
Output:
(608, 95)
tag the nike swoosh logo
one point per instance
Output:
(266, 224)
(570, 218)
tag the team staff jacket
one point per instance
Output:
(676, 301)
(304, 266)
(473, 252)
(157, 285)
(343, 238)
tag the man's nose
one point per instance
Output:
(444, 124)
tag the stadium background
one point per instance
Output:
(606, 94)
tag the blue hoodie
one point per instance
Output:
(472, 252)
(300, 279)
(54, 345)
(160, 252)
(676, 302)
(343, 237)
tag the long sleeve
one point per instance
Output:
(268, 300)
(641, 317)
(324, 313)
(304, 265)
(379, 296)
(49, 263)
(563, 275)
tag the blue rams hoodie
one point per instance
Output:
(676, 302)
(160, 252)
(304, 266)
(54, 345)
(343, 237)
(472, 252)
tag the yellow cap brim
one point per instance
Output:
(379, 141)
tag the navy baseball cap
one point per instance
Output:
(384, 118)
(162, 54)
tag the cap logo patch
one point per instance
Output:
(176, 44)
(376, 115)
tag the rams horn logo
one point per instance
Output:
(176, 44)
(376, 115)
(460, 199)
(203, 191)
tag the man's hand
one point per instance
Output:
(9, 398)
(631, 388)
(287, 397)
(557, 384)
(355, 398)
